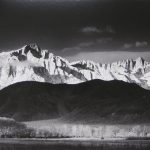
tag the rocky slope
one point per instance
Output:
(30, 63)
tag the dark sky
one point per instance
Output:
(73, 27)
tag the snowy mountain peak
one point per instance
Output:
(140, 60)
(34, 49)
(34, 46)
(30, 63)
(140, 63)
(27, 52)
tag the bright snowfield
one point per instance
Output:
(30, 63)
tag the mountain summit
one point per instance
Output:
(30, 63)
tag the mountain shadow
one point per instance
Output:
(94, 101)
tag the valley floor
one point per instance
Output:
(72, 144)
(61, 129)
(76, 142)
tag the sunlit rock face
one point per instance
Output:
(30, 63)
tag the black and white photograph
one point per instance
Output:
(74, 75)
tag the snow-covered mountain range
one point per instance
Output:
(30, 63)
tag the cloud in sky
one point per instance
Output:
(107, 50)
(141, 44)
(91, 29)
(137, 44)
(127, 45)
(87, 46)
(108, 57)
(99, 30)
